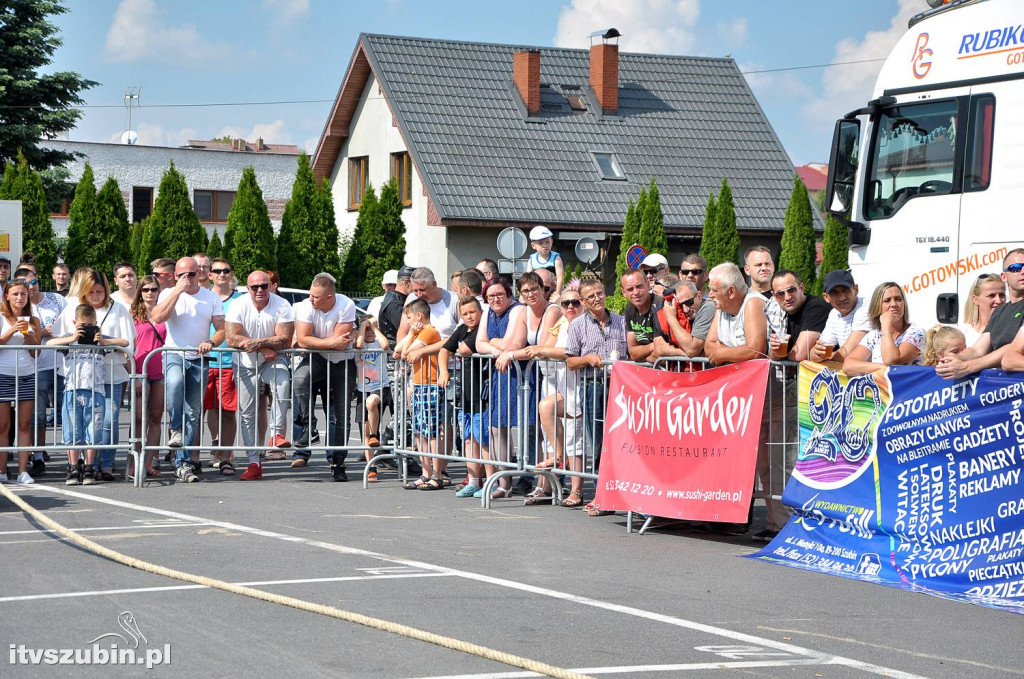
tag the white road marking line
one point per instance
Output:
(512, 584)
(165, 524)
(174, 588)
(623, 669)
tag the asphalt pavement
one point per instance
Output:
(542, 582)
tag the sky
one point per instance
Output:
(188, 54)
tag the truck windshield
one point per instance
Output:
(914, 152)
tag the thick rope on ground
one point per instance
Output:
(329, 611)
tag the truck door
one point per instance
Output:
(912, 199)
(993, 181)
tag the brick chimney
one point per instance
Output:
(604, 75)
(526, 76)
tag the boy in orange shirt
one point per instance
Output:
(425, 408)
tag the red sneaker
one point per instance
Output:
(278, 441)
(253, 473)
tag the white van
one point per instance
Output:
(930, 174)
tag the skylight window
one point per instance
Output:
(608, 165)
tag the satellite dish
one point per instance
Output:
(129, 137)
(512, 243)
(587, 250)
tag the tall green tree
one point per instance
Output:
(83, 235)
(725, 225)
(835, 252)
(139, 253)
(175, 230)
(301, 250)
(652, 222)
(249, 230)
(331, 262)
(215, 248)
(798, 250)
(34, 105)
(353, 276)
(387, 247)
(709, 236)
(113, 244)
(630, 235)
(37, 236)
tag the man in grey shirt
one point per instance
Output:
(681, 298)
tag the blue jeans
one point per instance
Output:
(183, 379)
(111, 432)
(592, 399)
(83, 417)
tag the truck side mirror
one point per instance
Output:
(842, 167)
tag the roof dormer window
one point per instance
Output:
(608, 165)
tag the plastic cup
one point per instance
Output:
(828, 352)
(782, 350)
(27, 319)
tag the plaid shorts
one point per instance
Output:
(426, 410)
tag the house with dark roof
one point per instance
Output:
(484, 136)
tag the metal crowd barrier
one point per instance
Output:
(543, 421)
(38, 395)
(309, 398)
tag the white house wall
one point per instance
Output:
(373, 134)
(203, 169)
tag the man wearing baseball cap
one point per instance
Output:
(542, 240)
(653, 266)
(5, 269)
(388, 282)
(848, 321)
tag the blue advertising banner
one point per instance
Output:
(911, 481)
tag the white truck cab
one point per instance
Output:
(930, 174)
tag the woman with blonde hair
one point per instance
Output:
(17, 374)
(894, 340)
(89, 286)
(987, 293)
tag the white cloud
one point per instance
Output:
(288, 10)
(309, 146)
(847, 87)
(140, 32)
(767, 86)
(733, 33)
(154, 134)
(659, 26)
(275, 132)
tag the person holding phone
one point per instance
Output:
(115, 324)
(17, 374)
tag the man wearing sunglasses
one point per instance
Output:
(188, 310)
(682, 303)
(163, 269)
(995, 344)
(220, 400)
(261, 325)
(805, 316)
(653, 266)
(695, 269)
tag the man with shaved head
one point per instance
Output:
(188, 310)
(261, 324)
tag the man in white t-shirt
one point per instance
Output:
(324, 324)
(847, 323)
(389, 282)
(261, 324)
(444, 307)
(188, 310)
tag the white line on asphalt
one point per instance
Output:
(821, 657)
(623, 669)
(176, 524)
(175, 588)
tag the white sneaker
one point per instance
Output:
(174, 440)
(4, 479)
(25, 479)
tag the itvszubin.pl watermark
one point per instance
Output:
(116, 649)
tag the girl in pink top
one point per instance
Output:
(149, 336)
